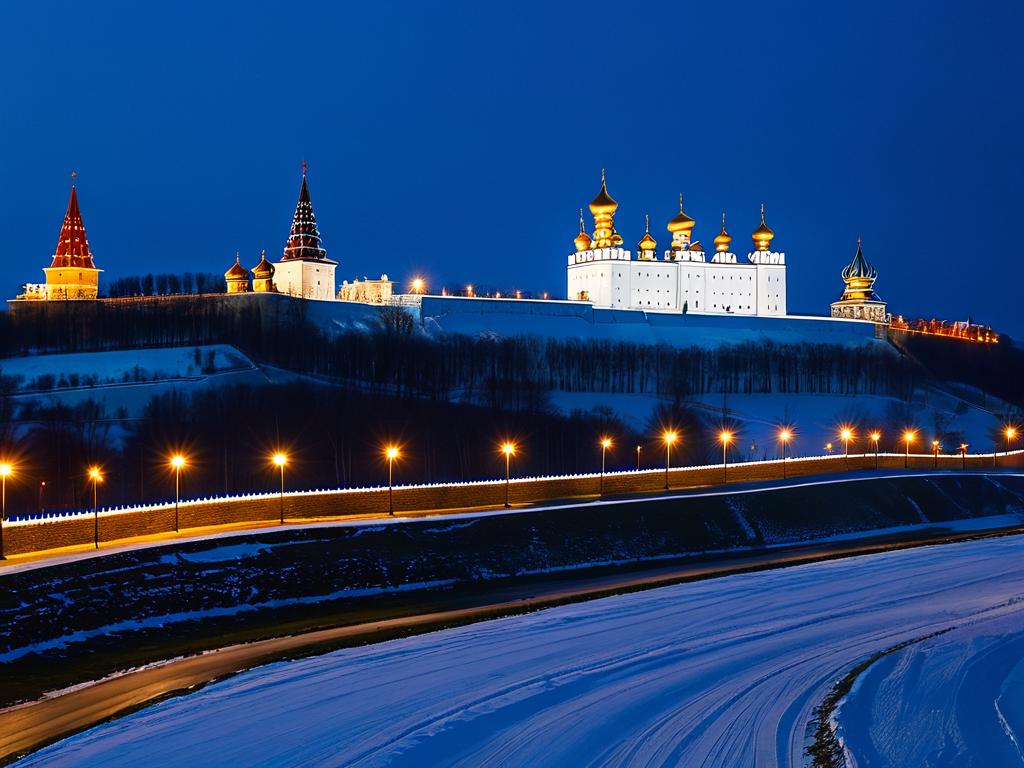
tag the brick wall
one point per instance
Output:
(25, 536)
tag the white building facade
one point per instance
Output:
(683, 279)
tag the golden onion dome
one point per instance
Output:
(582, 240)
(680, 222)
(264, 269)
(603, 203)
(723, 238)
(237, 271)
(647, 243)
(616, 238)
(763, 234)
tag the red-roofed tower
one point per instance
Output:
(304, 269)
(72, 274)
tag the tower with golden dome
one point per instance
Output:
(684, 279)
(859, 300)
(263, 276)
(237, 277)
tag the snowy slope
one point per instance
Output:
(713, 673)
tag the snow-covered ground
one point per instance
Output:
(712, 673)
(959, 697)
(126, 379)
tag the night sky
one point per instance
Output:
(459, 140)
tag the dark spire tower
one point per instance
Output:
(304, 239)
(304, 269)
(72, 273)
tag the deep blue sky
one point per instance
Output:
(458, 140)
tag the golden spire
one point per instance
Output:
(723, 239)
(647, 243)
(603, 208)
(763, 235)
(582, 240)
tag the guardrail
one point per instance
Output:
(58, 529)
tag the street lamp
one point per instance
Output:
(5, 470)
(638, 458)
(509, 449)
(280, 459)
(785, 435)
(97, 477)
(935, 454)
(670, 438)
(726, 438)
(606, 443)
(963, 456)
(391, 452)
(1011, 434)
(875, 437)
(846, 434)
(418, 285)
(908, 438)
(177, 464)
(828, 447)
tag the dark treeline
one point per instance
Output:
(499, 372)
(333, 436)
(166, 285)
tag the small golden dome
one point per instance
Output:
(763, 235)
(680, 222)
(264, 269)
(582, 240)
(237, 271)
(647, 243)
(603, 203)
(723, 239)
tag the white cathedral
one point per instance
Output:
(683, 280)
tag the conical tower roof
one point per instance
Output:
(860, 267)
(304, 240)
(72, 245)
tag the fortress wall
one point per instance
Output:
(28, 535)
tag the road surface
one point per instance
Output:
(708, 673)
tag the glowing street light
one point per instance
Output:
(670, 438)
(785, 435)
(97, 477)
(725, 438)
(875, 437)
(391, 453)
(963, 456)
(638, 458)
(280, 459)
(935, 454)
(5, 470)
(509, 449)
(177, 464)
(908, 438)
(469, 289)
(1011, 434)
(828, 447)
(606, 443)
(847, 435)
(418, 285)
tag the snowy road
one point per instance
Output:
(713, 673)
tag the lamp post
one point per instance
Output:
(606, 443)
(846, 434)
(638, 458)
(963, 456)
(935, 454)
(875, 437)
(280, 459)
(726, 438)
(177, 464)
(5, 470)
(785, 436)
(391, 453)
(97, 477)
(509, 449)
(418, 285)
(670, 438)
(908, 438)
(42, 487)
(1011, 434)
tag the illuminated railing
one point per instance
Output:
(965, 331)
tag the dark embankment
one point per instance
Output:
(77, 621)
